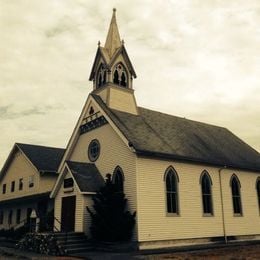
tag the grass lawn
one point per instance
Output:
(231, 253)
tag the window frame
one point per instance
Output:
(171, 170)
(118, 171)
(12, 186)
(31, 181)
(20, 184)
(257, 186)
(235, 197)
(203, 175)
(91, 157)
(4, 188)
(120, 72)
(68, 183)
(1, 217)
(10, 217)
(18, 216)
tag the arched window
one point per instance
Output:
(115, 79)
(171, 180)
(118, 179)
(258, 191)
(120, 75)
(123, 79)
(206, 183)
(236, 197)
(101, 76)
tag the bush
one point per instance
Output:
(40, 243)
(110, 219)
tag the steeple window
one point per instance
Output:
(120, 75)
(115, 79)
(101, 76)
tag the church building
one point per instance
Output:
(185, 179)
(189, 182)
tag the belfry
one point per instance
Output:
(112, 72)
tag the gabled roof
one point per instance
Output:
(157, 134)
(46, 159)
(43, 158)
(86, 175)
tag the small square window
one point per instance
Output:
(68, 183)
(31, 181)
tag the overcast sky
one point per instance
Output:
(198, 59)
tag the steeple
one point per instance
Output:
(112, 72)
(113, 41)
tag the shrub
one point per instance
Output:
(110, 221)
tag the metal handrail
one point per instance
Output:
(24, 221)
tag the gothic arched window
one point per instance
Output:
(171, 181)
(236, 197)
(206, 184)
(120, 75)
(258, 191)
(116, 76)
(101, 76)
(118, 179)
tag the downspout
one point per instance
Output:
(222, 204)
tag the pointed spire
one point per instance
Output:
(113, 38)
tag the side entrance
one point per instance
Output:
(68, 214)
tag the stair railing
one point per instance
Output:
(60, 230)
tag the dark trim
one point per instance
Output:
(26, 198)
(145, 153)
(205, 172)
(95, 123)
(170, 168)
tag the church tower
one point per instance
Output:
(112, 72)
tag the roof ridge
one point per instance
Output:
(37, 145)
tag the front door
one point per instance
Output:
(68, 213)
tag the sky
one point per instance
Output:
(196, 59)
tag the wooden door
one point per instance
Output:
(68, 214)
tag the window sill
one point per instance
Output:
(208, 215)
(172, 215)
(66, 190)
(238, 215)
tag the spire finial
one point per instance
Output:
(114, 10)
(98, 43)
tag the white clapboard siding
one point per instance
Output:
(154, 224)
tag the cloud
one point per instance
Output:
(197, 59)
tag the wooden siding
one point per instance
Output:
(79, 214)
(21, 167)
(114, 152)
(154, 224)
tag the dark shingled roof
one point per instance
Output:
(156, 134)
(86, 175)
(44, 158)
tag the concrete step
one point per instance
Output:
(68, 246)
(73, 251)
(72, 242)
(70, 234)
